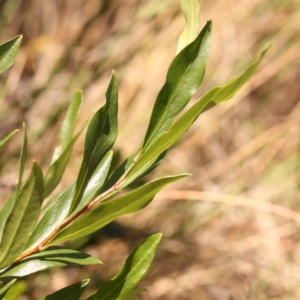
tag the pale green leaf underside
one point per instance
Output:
(136, 265)
(58, 211)
(109, 211)
(191, 12)
(8, 52)
(49, 258)
(100, 137)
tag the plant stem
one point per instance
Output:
(117, 186)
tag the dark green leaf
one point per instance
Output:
(4, 289)
(23, 157)
(191, 12)
(100, 137)
(72, 292)
(166, 140)
(120, 286)
(7, 138)
(8, 52)
(58, 212)
(22, 218)
(183, 79)
(107, 212)
(49, 258)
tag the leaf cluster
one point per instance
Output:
(30, 230)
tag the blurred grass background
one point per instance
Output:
(231, 231)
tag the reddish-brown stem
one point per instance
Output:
(73, 218)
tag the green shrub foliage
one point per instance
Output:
(28, 245)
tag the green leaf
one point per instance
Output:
(5, 289)
(63, 152)
(191, 12)
(107, 212)
(120, 286)
(7, 138)
(58, 212)
(96, 181)
(211, 98)
(23, 217)
(70, 120)
(49, 258)
(72, 292)
(100, 137)
(23, 157)
(5, 212)
(183, 79)
(57, 167)
(8, 52)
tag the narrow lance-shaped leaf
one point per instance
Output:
(5, 212)
(7, 138)
(5, 289)
(23, 157)
(58, 212)
(70, 119)
(72, 292)
(63, 152)
(109, 211)
(47, 259)
(213, 97)
(8, 52)
(138, 262)
(23, 217)
(100, 137)
(57, 168)
(191, 12)
(183, 79)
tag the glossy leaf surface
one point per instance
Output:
(49, 258)
(72, 292)
(107, 212)
(23, 217)
(8, 52)
(100, 137)
(183, 79)
(136, 265)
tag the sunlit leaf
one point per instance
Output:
(167, 139)
(22, 218)
(100, 137)
(183, 79)
(107, 212)
(8, 52)
(191, 12)
(120, 286)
